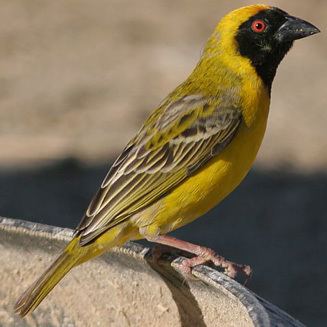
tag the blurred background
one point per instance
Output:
(79, 77)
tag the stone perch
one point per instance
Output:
(122, 288)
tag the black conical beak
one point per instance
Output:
(294, 29)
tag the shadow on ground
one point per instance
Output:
(275, 221)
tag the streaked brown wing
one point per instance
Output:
(170, 147)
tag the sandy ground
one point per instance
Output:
(77, 79)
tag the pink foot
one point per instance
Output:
(203, 255)
(231, 269)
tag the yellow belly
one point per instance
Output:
(209, 186)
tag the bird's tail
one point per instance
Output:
(34, 295)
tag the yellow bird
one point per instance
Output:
(191, 152)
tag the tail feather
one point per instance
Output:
(74, 254)
(34, 295)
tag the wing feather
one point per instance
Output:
(172, 145)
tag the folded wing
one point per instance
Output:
(174, 143)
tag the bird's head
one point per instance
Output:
(262, 34)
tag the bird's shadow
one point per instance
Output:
(188, 307)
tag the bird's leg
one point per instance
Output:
(203, 255)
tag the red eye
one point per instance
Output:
(258, 26)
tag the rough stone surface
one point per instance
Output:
(122, 288)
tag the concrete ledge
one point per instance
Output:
(122, 288)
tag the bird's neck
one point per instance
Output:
(218, 74)
(222, 66)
